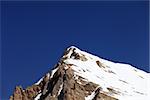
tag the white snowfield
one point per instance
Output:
(121, 81)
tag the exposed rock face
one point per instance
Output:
(63, 84)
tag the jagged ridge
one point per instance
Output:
(80, 75)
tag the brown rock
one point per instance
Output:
(62, 86)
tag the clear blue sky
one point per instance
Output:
(35, 34)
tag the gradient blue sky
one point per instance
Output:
(35, 34)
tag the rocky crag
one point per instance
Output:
(82, 76)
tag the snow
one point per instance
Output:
(53, 72)
(47, 75)
(60, 88)
(37, 83)
(92, 95)
(38, 96)
(129, 82)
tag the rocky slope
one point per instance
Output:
(82, 76)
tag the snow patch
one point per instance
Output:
(92, 95)
(37, 83)
(53, 72)
(47, 75)
(38, 96)
(60, 89)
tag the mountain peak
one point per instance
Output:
(73, 53)
(82, 76)
(72, 46)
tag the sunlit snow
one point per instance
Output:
(126, 80)
(37, 97)
(121, 81)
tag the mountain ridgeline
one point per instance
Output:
(79, 75)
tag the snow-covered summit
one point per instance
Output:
(82, 76)
(123, 80)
